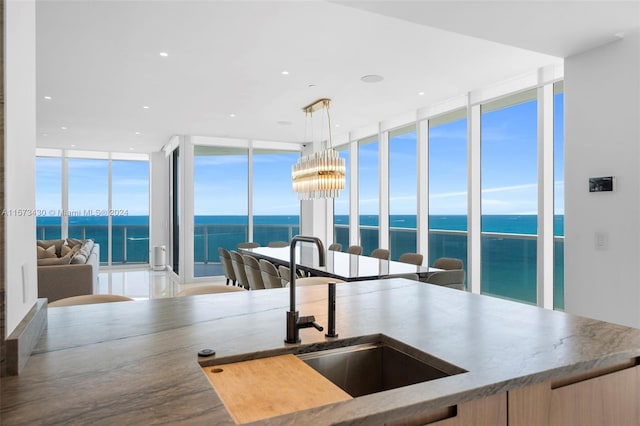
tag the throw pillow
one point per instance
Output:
(73, 242)
(65, 250)
(48, 253)
(78, 258)
(54, 261)
(47, 243)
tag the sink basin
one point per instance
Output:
(378, 366)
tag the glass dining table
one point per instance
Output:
(343, 266)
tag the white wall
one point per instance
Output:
(20, 148)
(159, 171)
(602, 138)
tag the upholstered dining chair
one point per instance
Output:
(335, 247)
(285, 275)
(277, 244)
(413, 258)
(270, 274)
(208, 289)
(254, 274)
(227, 265)
(247, 244)
(447, 263)
(354, 250)
(452, 278)
(89, 299)
(238, 268)
(414, 277)
(380, 253)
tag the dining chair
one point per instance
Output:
(227, 265)
(207, 289)
(306, 281)
(247, 244)
(254, 274)
(335, 247)
(89, 299)
(355, 250)
(413, 277)
(277, 244)
(380, 253)
(285, 275)
(447, 263)
(452, 278)
(270, 274)
(238, 268)
(413, 258)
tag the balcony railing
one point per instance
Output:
(130, 243)
(509, 261)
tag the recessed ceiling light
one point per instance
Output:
(285, 72)
(73, 145)
(232, 115)
(164, 54)
(45, 134)
(145, 106)
(131, 149)
(48, 98)
(372, 78)
(63, 127)
(420, 93)
(337, 125)
(137, 133)
(284, 123)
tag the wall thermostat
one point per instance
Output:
(601, 184)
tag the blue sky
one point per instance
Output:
(509, 174)
(88, 185)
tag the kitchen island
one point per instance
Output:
(136, 362)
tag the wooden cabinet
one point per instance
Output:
(608, 396)
(489, 411)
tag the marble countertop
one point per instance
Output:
(136, 362)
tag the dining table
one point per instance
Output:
(340, 265)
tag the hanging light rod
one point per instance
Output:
(316, 105)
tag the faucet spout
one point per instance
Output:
(293, 323)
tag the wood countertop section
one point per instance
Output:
(136, 362)
(261, 388)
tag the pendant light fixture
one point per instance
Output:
(321, 174)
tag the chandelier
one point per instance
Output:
(321, 174)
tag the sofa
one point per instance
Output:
(67, 268)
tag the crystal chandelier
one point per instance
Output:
(321, 174)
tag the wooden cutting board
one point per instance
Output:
(267, 387)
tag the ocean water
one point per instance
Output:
(509, 260)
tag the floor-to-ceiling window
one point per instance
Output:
(403, 191)
(558, 195)
(509, 197)
(89, 202)
(368, 193)
(341, 204)
(448, 186)
(276, 208)
(129, 211)
(98, 196)
(49, 198)
(221, 209)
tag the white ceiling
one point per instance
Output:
(100, 62)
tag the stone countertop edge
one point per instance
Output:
(99, 354)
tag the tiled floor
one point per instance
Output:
(144, 283)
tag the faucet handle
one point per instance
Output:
(309, 321)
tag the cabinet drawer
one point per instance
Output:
(609, 398)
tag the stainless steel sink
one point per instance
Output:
(379, 366)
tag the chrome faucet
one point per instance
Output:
(294, 324)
